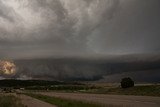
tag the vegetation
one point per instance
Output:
(66, 88)
(44, 85)
(26, 83)
(127, 82)
(148, 90)
(10, 101)
(153, 90)
(62, 102)
(34, 83)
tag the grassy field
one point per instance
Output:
(148, 90)
(10, 101)
(141, 90)
(62, 102)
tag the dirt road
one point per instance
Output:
(32, 102)
(125, 100)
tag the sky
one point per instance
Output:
(119, 33)
(58, 28)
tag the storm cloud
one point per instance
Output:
(33, 29)
(70, 69)
(47, 28)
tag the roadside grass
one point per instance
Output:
(62, 102)
(150, 90)
(10, 101)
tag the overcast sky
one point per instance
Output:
(46, 28)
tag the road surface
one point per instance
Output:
(32, 102)
(125, 100)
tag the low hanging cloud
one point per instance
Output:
(89, 69)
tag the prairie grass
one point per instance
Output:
(148, 90)
(10, 101)
(62, 102)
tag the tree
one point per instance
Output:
(127, 82)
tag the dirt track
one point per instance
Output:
(127, 101)
(32, 102)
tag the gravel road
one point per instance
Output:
(32, 102)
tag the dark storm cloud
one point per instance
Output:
(146, 76)
(90, 69)
(134, 29)
(61, 26)
(75, 27)
(78, 28)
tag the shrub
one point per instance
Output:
(127, 82)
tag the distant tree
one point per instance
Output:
(127, 82)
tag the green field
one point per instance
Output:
(62, 102)
(144, 90)
(148, 90)
(10, 101)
